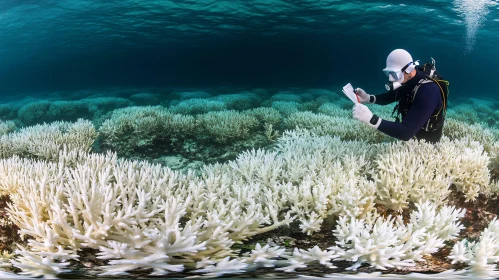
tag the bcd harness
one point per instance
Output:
(436, 121)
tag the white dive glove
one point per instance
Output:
(363, 96)
(363, 114)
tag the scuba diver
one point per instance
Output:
(422, 100)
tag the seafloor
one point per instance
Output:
(259, 135)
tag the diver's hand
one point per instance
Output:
(363, 114)
(363, 96)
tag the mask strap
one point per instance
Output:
(415, 63)
(405, 67)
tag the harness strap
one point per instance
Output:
(425, 81)
(443, 94)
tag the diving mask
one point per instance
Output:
(395, 78)
(393, 75)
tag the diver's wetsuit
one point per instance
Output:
(427, 100)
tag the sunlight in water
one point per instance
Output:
(473, 12)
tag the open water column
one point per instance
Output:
(473, 12)
(210, 138)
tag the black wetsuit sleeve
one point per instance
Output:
(426, 101)
(386, 98)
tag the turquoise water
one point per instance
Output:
(83, 44)
(231, 76)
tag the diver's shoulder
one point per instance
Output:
(429, 85)
(429, 91)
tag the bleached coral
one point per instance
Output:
(8, 111)
(464, 113)
(270, 132)
(314, 201)
(45, 141)
(140, 128)
(338, 187)
(344, 127)
(411, 171)
(5, 258)
(445, 275)
(387, 243)
(142, 216)
(136, 214)
(225, 266)
(7, 127)
(454, 129)
(286, 108)
(197, 106)
(333, 109)
(481, 255)
(494, 160)
(34, 112)
(67, 110)
(406, 172)
(475, 111)
(35, 265)
(101, 105)
(225, 126)
(337, 110)
(264, 256)
(383, 111)
(300, 258)
(466, 164)
(266, 116)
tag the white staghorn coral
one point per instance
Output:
(332, 109)
(269, 116)
(494, 160)
(465, 163)
(45, 141)
(448, 274)
(224, 266)
(286, 108)
(387, 243)
(414, 170)
(339, 187)
(136, 214)
(7, 127)
(258, 166)
(455, 129)
(406, 172)
(264, 255)
(35, 265)
(481, 255)
(5, 258)
(343, 127)
(226, 126)
(300, 258)
(132, 128)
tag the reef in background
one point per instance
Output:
(86, 192)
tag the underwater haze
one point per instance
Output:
(49, 45)
(201, 138)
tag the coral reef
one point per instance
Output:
(300, 167)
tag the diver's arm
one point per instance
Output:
(385, 98)
(425, 102)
